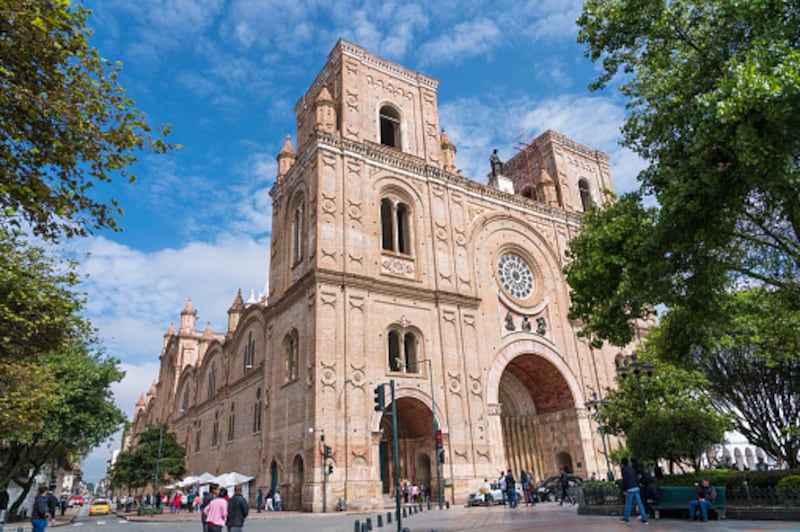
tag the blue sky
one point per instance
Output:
(226, 75)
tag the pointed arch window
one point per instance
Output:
(197, 440)
(290, 348)
(402, 351)
(185, 402)
(391, 132)
(249, 353)
(212, 381)
(395, 226)
(257, 411)
(586, 195)
(215, 431)
(297, 233)
(232, 422)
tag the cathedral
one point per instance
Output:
(389, 266)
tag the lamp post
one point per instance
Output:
(327, 453)
(158, 466)
(436, 433)
(598, 405)
(631, 364)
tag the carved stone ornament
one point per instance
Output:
(397, 266)
(494, 409)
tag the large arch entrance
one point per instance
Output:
(415, 446)
(539, 418)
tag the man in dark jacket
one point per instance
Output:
(564, 482)
(630, 487)
(237, 511)
(207, 498)
(706, 495)
(52, 505)
(40, 510)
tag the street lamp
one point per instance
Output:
(158, 466)
(631, 364)
(437, 435)
(598, 404)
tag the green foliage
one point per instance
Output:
(713, 93)
(67, 124)
(789, 488)
(730, 478)
(157, 448)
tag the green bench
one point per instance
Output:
(678, 497)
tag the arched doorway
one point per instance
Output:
(539, 418)
(273, 476)
(415, 445)
(295, 501)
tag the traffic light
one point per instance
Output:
(380, 399)
(438, 439)
(326, 451)
(441, 456)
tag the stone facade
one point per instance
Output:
(387, 264)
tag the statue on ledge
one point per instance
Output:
(497, 164)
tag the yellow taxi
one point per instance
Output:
(99, 507)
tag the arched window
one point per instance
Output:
(185, 402)
(586, 196)
(298, 233)
(290, 357)
(257, 411)
(215, 431)
(390, 127)
(197, 440)
(212, 381)
(402, 351)
(249, 353)
(232, 422)
(395, 226)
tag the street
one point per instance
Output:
(545, 517)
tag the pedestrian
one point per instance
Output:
(706, 496)
(216, 511)
(237, 511)
(276, 501)
(502, 484)
(207, 498)
(40, 510)
(190, 500)
(511, 489)
(176, 503)
(525, 481)
(259, 500)
(564, 481)
(630, 487)
(52, 506)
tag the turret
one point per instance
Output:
(286, 158)
(188, 315)
(235, 312)
(325, 112)
(448, 154)
(547, 189)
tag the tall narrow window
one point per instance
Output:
(586, 196)
(249, 353)
(390, 127)
(290, 357)
(185, 403)
(395, 226)
(410, 350)
(215, 431)
(257, 412)
(232, 422)
(212, 381)
(395, 360)
(297, 234)
(197, 441)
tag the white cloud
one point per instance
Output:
(466, 39)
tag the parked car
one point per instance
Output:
(477, 498)
(99, 507)
(550, 489)
(76, 499)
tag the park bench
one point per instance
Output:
(678, 497)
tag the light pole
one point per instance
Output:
(158, 466)
(631, 364)
(327, 453)
(598, 405)
(437, 437)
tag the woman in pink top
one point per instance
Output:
(217, 512)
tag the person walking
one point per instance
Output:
(511, 489)
(564, 481)
(259, 500)
(630, 487)
(237, 510)
(207, 498)
(216, 511)
(276, 501)
(40, 510)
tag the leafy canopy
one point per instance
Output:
(156, 448)
(66, 124)
(713, 93)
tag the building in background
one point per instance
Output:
(388, 264)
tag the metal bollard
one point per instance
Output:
(405, 514)
(357, 527)
(447, 504)
(380, 521)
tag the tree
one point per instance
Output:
(82, 416)
(67, 124)
(156, 448)
(676, 400)
(753, 369)
(714, 94)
